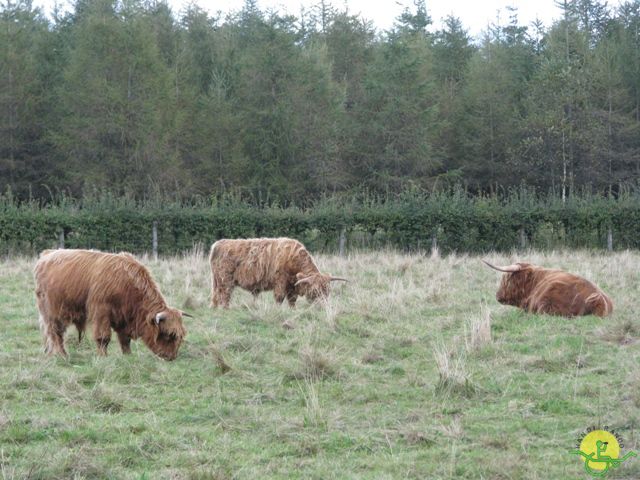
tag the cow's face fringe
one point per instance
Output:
(315, 287)
(515, 287)
(165, 336)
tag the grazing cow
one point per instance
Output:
(114, 291)
(554, 292)
(280, 264)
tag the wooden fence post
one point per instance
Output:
(609, 240)
(342, 241)
(61, 239)
(154, 244)
(523, 238)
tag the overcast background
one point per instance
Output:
(475, 14)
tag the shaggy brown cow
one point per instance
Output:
(554, 292)
(114, 291)
(280, 264)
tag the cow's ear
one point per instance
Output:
(160, 317)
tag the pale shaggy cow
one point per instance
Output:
(280, 264)
(113, 291)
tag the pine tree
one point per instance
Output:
(24, 36)
(114, 98)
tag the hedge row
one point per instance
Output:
(457, 221)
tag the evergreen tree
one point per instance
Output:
(24, 38)
(398, 120)
(495, 93)
(113, 97)
(452, 52)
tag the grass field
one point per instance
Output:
(411, 371)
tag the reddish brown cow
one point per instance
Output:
(280, 264)
(114, 291)
(554, 292)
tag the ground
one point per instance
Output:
(412, 370)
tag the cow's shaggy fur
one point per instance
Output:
(280, 264)
(113, 291)
(554, 292)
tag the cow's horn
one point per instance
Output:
(508, 269)
(160, 317)
(185, 314)
(302, 280)
(338, 279)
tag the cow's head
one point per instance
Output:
(516, 283)
(315, 286)
(168, 332)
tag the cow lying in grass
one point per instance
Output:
(113, 291)
(280, 264)
(554, 292)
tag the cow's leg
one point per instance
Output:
(222, 296)
(214, 299)
(280, 290)
(43, 321)
(52, 330)
(55, 338)
(221, 288)
(101, 327)
(292, 296)
(80, 324)
(125, 342)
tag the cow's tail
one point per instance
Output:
(213, 253)
(212, 256)
(599, 304)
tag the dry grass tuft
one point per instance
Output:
(331, 312)
(264, 308)
(372, 357)
(633, 389)
(289, 324)
(478, 330)
(414, 437)
(105, 401)
(314, 414)
(454, 429)
(82, 462)
(404, 267)
(190, 303)
(453, 375)
(315, 365)
(219, 359)
(4, 420)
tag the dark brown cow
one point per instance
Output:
(113, 291)
(554, 292)
(280, 264)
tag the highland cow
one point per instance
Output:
(113, 291)
(280, 264)
(554, 292)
